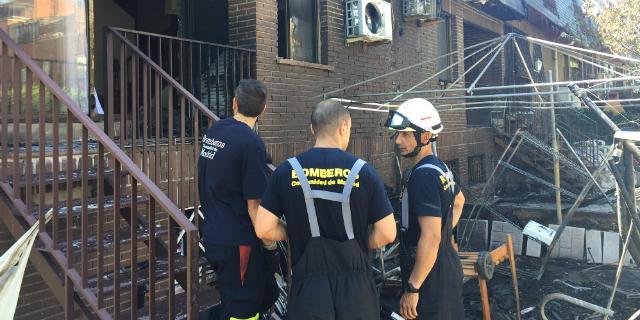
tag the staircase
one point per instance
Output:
(120, 243)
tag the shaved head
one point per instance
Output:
(327, 116)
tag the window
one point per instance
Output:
(54, 34)
(476, 169)
(298, 29)
(575, 72)
(444, 47)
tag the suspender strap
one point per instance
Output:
(405, 209)
(346, 193)
(448, 175)
(308, 198)
(405, 196)
(344, 197)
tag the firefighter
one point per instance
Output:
(232, 176)
(329, 199)
(431, 207)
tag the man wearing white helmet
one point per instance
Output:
(431, 207)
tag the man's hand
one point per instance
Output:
(409, 305)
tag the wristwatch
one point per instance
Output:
(411, 288)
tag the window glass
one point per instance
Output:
(297, 19)
(444, 47)
(54, 34)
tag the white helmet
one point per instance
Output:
(415, 115)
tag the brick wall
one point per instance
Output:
(295, 87)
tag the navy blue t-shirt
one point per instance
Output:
(232, 168)
(429, 195)
(327, 168)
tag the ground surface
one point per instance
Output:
(590, 283)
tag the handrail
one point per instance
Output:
(125, 161)
(181, 39)
(163, 73)
(138, 188)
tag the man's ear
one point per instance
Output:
(425, 137)
(235, 105)
(263, 110)
(344, 128)
(311, 128)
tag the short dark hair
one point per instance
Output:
(251, 96)
(327, 116)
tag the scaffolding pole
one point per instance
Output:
(619, 269)
(581, 94)
(523, 102)
(508, 87)
(326, 94)
(524, 62)
(572, 55)
(575, 154)
(572, 210)
(473, 84)
(613, 56)
(556, 158)
(469, 70)
(443, 70)
(484, 188)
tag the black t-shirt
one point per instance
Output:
(327, 168)
(429, 195)
(232, 168)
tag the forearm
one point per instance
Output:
(426, 256)
(277, 233)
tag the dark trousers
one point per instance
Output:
(246, 286)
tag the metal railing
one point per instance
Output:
(152, 114)
(209, 71)
(100, 258)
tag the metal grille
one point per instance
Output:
(476, 169)
(352, 8)
(418, 8)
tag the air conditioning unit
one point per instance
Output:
(368, 20)
(420, 9)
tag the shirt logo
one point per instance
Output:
(324, 177)
(445, 184)
(210, 147)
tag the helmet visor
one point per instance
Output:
(397, 121)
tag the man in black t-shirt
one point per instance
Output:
(431, 207)
(232, 176)
(329, 198)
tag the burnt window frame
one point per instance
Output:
(283, 37)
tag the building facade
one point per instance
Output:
(303, 54)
